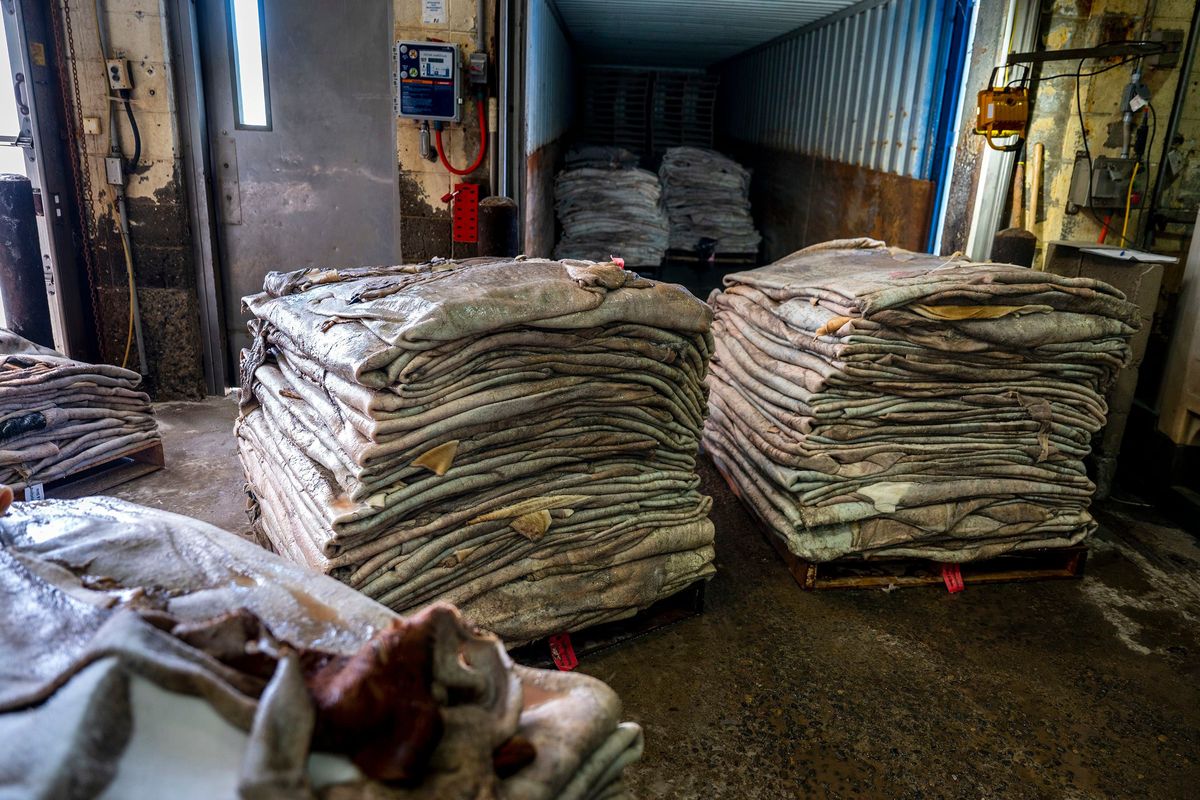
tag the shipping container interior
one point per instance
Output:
(843, 111)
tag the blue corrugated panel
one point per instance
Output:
(864, 87)
(550, 89)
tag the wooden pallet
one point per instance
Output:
(692, 257)
(881, 573)
(105, 475)
(682, 605)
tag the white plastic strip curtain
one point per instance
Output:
(863, 87)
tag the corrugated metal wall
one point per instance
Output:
(683, 33)
(550, 88)
(863, 88)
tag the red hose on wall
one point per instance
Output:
(437, 135)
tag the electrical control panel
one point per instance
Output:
(428, 75)
(118, 74)
(1108, 188)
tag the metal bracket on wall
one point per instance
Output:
(466, 212)
(1157, 48)
(227, 182)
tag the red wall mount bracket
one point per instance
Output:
(465, 212)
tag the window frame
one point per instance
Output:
(234, 71)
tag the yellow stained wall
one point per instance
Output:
(425, 219)
(160, 235)
(1054, 121)
(136, 31)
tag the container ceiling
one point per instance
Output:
(682, 33)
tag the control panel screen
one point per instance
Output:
(438, 65)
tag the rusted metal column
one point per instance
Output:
(22, 282)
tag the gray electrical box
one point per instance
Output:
(428, 75)
(1109, 184)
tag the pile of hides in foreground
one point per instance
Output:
(707, 197)
(151, 655)
(608, 208)
(514, 436)
(876, 402)
(59, 416)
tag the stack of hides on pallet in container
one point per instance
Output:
(151, 655)
(877, 402)
(59, 416)
(607, 208)
(517, 437)
(707, 197)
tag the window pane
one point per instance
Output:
(248, 61)
(9, 121)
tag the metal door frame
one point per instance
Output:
(197, 168)
(50, 173)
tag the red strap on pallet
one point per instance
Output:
(466, 212)
(562, 652)
(952, 577)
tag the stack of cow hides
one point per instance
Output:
(151, 655)
(877, 402)
(517, 437)
(708, 202)
(59, 416)
(607, 208)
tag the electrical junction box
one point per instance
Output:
(427, 81)
(1109, 185)
(114, 172)
(118, 74)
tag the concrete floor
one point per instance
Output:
(1062, 689)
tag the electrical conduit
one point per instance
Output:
(483, 139)
(134, 330)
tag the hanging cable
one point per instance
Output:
(132, 164)
(437, 136)
(1129, 200)
(133, 331)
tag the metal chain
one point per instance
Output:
(72, 114)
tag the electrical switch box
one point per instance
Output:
(428, 76)
(1108, 188)
(114, 171)
(118, 74)
(477, 68)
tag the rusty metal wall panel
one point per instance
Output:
(860, 87)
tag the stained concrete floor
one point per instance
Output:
(1064, 689)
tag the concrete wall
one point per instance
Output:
(424, 218)
(161, 243)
